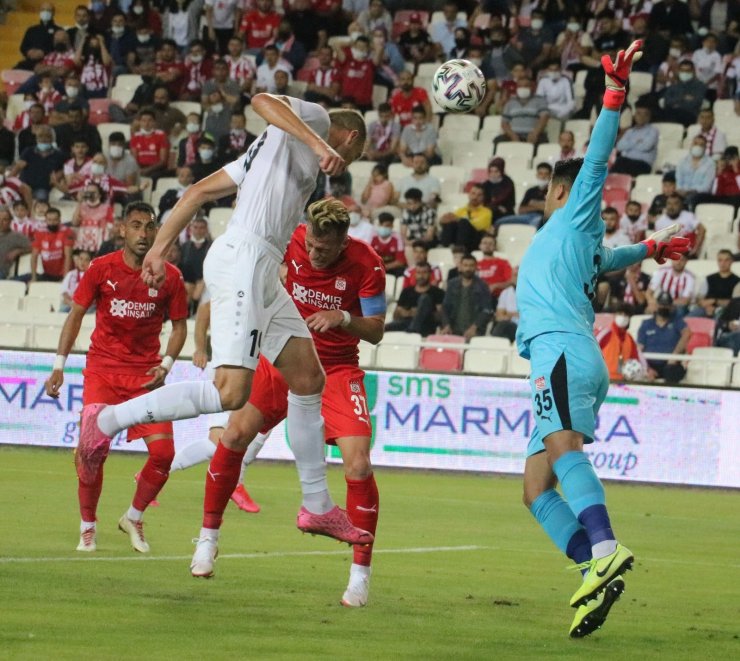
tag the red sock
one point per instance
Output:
(155, 472)
(221, 480)
(362, 508)
(89, 495)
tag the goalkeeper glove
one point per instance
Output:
(617, 73)
(663, 244)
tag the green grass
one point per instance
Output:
(506, 598)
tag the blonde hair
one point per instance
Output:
(350, 120)
(328, 216)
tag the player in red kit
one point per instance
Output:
(338, 286)
(123, 362)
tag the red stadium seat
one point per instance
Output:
(701, 325)
(439, 359)
(477, 176)
(13, 79)
(620, 181)
(698, 340)
(99, 111)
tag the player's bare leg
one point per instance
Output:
(152, 478)
(363, 504)
(300, 367)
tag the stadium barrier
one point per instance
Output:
(440, 421)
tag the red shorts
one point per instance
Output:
(344, 402)
(109, 388)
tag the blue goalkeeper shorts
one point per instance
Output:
(569, 382)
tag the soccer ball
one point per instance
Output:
(458, 86)
(632, 370)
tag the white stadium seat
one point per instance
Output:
(13, 336)
(46, 337)
(485, 361)
(716, 218)
(400, 357)
(710, 373)
(520, 153)
(513, 240)
(44, 289)
(518, 366)
(367, 354)
(12, 289)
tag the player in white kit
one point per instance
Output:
(251, 313)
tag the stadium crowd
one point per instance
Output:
(140, 98)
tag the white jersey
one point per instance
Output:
(275, 177)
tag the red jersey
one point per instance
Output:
(27, 226)
(358, 274)
(241, 69)
(402, 105)
(172, 67)
(149, 147)
(357, 79)
(50, 246)
(409, 276)
(196, 74)
(129, 314)
(259, 28)
(390, 249)
(109, 185)
(493, 270)
(10, 191)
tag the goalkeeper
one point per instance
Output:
(569, 379)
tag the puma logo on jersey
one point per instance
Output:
(374, 508)
(213, 476)
(297, 267)
(361, 419)
(112, 284)
(378, 268)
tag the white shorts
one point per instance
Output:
(251, 313)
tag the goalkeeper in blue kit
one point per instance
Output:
(569, 380)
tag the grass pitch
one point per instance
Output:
(461, 571)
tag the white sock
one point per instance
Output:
(252, 451)
(604, 548)
(175, 401)
(209, 532)
(86, 525)
(134, 514)
(359, 571)
(306, 433)
(195, 453)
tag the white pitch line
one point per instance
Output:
(238, 556)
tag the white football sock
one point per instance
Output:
(197, 452)
(359, 571)
(209, 532)
(252, 451)
(134, 514)
(306, 433)
(175, 401)
(86, 525)
(604, 548)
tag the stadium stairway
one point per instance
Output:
(19, 19)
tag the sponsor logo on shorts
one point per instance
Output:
(539, 383)
(120, 307)
(318, 299)
(341, 284)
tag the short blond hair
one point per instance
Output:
(328, 216)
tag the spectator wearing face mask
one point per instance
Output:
(187, 149)
(535, 42)
(498, 190)
(150, 146)
(359, 227)
(121, 165)
(617, 345)
(92, 217)
(207, 162)
(40, 167)
(532, 207)
(695, 173)
(389, 245)
(633, 222)
(524, 117)
(218, 118)
(682, 101)
(77, 168)
(194, 252)
(666, 332)
(357, 72)
(557, 91)
(233, 145)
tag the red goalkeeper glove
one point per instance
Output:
(663, 245)
(617, 73)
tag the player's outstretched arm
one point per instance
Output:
(67, 337)
(276, 110)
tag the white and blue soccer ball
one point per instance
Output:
(632, 370)
(458, 86)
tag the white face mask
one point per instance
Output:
(116, 151)
(354, 218)
(147, 131)
(45, 16)
(697, 151)
(542, 183)
(138, 10)
(196, 59)
(198, 242)
(476, 60)
(523, 92)
(384, 232)
(117, 30)
(217, 107)
(674, 52)
(192, 127)
(359, 54)
(97, 169)
(622, 320)
(537, 23)
(205, 154)
(143, 38)
(573, 27)
(685, 76)
(72, 92)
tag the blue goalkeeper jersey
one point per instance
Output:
(557, 275)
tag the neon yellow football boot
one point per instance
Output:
(600, 572)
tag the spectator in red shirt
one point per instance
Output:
(406, 97)
(259, 26)
(324, 84)
(198, 69)
(169, 70)
(60, 61)
(727, 183)
(150, 146)
(54, 246)
(494, 271)
(357, 73)
(420, 254)
(389, 246)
